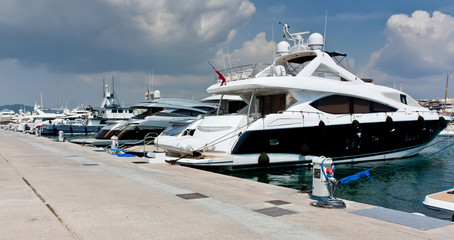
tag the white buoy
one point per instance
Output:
(61, 136)
(114, 142)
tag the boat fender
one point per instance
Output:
(356, 128)
(443, 123)
(263, 159)
(421, 123)
(322, 127)
(390, 124)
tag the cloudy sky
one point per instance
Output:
(165, 44)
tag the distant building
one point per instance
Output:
(437, 104)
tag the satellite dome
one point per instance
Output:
(157, 94)
(283, 48)
(315, 41)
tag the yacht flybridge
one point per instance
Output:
(301, 106)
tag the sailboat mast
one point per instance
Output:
(446, 93)
(56, 78)
(41, 95)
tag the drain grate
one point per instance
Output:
(277, 202)
(274, 211)
(189, 196)
(90, 164)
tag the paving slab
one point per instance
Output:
(60, 190)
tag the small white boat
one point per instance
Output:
(442, 200)
(6, 115)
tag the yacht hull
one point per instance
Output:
(71, 129)
(346, 143)
(279, 160)
(340, 141)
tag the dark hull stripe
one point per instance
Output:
(54, 129)
(341, 141)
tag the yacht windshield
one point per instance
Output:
(295, 65)
(140, 113)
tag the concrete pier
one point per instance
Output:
(60, 190)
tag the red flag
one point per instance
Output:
(220, 76)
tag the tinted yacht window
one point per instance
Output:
(295, 65)
(346, 105)
(187, 112)
(403, 99)
(271, 103)
(333, 104)
(207, 109)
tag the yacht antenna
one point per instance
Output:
(228, 55)
(285, 30)
(42, 105)
(113, 86)
(56, 77)
(223, 58)
(324, 33)
(152, 87)
(272, 36)
(295, 37)
(146, 80)
(446, 93)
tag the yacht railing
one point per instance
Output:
(244, 72)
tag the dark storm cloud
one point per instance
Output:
(112, 35)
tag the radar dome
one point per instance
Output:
(315, 41)
(157, 94)
(283, 48)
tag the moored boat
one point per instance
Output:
(157, 114)
(6, 115)
(89, 120)
(301, 106)
(443, 200)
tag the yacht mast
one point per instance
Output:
(56, 77)
(446, 93)
(41, 95)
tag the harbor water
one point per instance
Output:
(403, 185)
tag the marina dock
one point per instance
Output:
(61, 190)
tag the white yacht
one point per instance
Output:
(6, 115)
(31, 122)
(301, 106)
(89, 120)
(155, 115)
